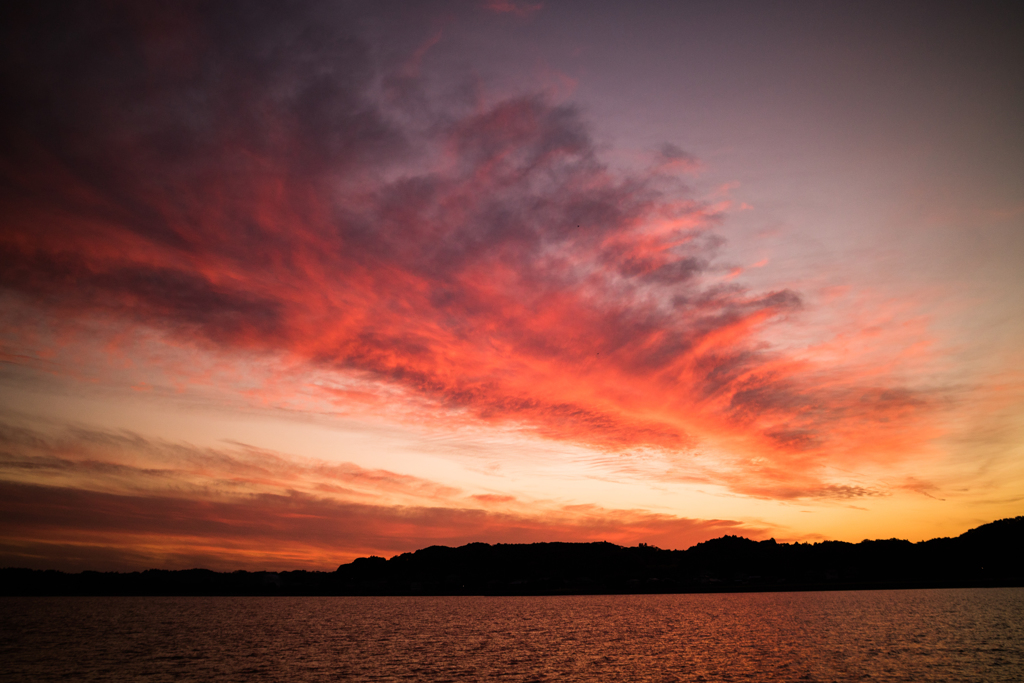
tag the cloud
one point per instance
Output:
(75, 529)
(229, 177)
(674, 157)
(492, 498)
(86, 499)
(917, 485)
(118, 462)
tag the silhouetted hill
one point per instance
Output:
(985, 556)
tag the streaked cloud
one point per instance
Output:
(118, 500)
(320, 211)
(227, 176)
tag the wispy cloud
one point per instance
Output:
(88, 499)
(78, 529)
(228, 177)
(118, 462)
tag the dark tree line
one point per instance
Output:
(989, 555)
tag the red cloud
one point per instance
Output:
(99, 500)
(74, 529)
(253, 197)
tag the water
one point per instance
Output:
(924, 635)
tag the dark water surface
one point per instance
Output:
(915, 635)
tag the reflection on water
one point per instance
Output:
(923, 635)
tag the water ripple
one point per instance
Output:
(919, 636)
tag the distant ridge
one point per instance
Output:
(986, 556)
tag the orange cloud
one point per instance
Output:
(484, 263)
(75, 529)
(98, 500)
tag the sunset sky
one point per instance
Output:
(285, 284)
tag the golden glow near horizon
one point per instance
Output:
(279, 303)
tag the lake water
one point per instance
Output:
(919, 635)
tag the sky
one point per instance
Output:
(287, 284)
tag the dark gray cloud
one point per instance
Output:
(240, 176)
